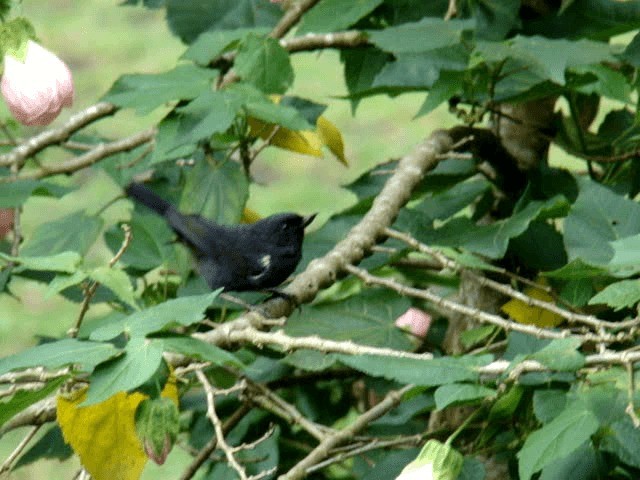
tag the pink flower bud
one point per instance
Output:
(36, 90)
(415, 321)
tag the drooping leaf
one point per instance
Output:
(57, 354)
(140, 361)
(180, 311)
(557, 439)
(146, 92)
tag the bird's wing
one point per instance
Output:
(194, 230)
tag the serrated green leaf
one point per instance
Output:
(217, 190)
(210, 112)
(181, 311)
(598, 217)
(428, 372)
(335, 15)
(194, 348)
(118, 282)
(75, 232)
(60, 353)
(456, 393)
(61, 262)
(64, 281)
(140, 361)
(557, 439)
(445, 87)
(619, 295)
(170, 140)
(146, 92)
(262, 62)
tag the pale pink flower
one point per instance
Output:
(36, 90)
(414, 321)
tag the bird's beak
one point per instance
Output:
(308, 219)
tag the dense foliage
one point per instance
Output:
(529, 270)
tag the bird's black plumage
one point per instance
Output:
(256, 256)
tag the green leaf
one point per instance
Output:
(624, 261)
(75, 232)
(457, 393)
(60, 353)
(335, 15)
(428, 372)
(310, 360)
(170, 140)
(210, 45)
(211, 112)
(619, 295)
(598, 217)
(194, 348)
(417, 37)
(140, 361)
(490, 240)
(583, 463)
(182, 311)
(262, 62)
(561, 355)
(597, 19)
(14, 194)
(24, 398)
(366, 318)
(557, 439)
(445, 461)
(217, 190)
(548, 404)
(146, 92)
(622, 439)
(118, 282)
(189, 18)
(63, 281)
(62, 262)
(505, 405)
(474, 336)
(495, 18)
(445, 87)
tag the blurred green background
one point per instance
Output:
(100, 41)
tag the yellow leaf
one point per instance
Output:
(305, 142)
(523, 313)
(104, 435)
(332, 138)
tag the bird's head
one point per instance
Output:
(284, 228)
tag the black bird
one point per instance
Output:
(256, 256)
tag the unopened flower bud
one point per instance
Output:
(414, 321)
(157, 425)
(37, 88)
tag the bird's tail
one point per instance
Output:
(148, 198)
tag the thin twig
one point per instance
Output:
(631, 407)
(90, 290)
(291, 17)
(323, 450)
(6, 465)
(33, 145)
